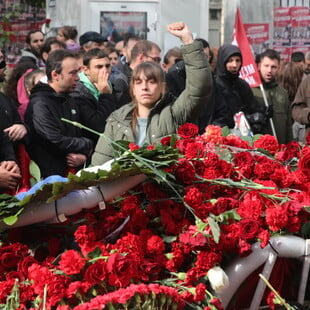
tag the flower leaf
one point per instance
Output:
(215, 229)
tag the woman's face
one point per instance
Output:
(147, 91)
(60, 36)
(113, 58)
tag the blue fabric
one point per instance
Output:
(37, 186)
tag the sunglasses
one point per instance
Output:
(155, 59)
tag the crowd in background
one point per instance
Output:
(127, 91)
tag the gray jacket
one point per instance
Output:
(167, 114)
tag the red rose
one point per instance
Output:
(71, 262)
(96, 273)
(249, 228)
(188, 130)
(216, 303)
(121, 269)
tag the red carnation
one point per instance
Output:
(277, 217)
(71, 262)
(268, 143)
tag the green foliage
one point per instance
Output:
(34, 172)
(5, 24)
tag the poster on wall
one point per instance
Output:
(300, 17)
(291, 31)
(19, 25)
(282, 26)
(258, 36)
(114, 25)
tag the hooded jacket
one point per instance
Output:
(234, 94)
(51, 139)
(167, 114)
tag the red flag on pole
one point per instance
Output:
(248, 71)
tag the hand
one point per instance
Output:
(16, 132)
(103, 85)
(10, 166)
(269, 111)
(180, 30)
(8, 179)
(75, 160)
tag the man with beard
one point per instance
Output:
(56, 146)
(233, 94)
(277, 97)
(34, 40)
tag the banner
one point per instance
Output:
(248, 71)
(258, 36)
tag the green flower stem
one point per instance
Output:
(282, 301)
(146, 162)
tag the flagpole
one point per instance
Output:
(267, 106)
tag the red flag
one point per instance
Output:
(248, 70)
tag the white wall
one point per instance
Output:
(84, 15)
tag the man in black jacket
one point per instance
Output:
(93, 93)
(233, 93)
(55, 145)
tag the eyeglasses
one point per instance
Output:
(155, 59)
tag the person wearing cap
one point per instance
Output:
(90, 40)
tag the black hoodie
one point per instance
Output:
(51, 139)
(234, 94)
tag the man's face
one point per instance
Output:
(233, 64)
(66, 80)
(36, 41)
(153, 55)
(97, 68)
(128, 48)
(2, 70)
(268, 69)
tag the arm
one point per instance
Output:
(198, 85)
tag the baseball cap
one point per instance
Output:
(91, 36)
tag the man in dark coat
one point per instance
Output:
(93, 93)
(234, 94)
(55, 145)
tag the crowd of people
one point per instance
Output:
(127, 92)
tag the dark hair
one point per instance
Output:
(17, 72)
(172, 52)
(54, 61)
(128, 37)
(289, 77)
(94, 53)
(270, 53)
(110, 50)
(47, 46)
(298, 57)
(30, 78)
(31, 32)
(204, 42)
(142, 47)
(69, 32)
